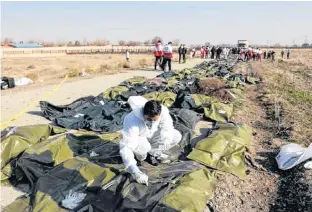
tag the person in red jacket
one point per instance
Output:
(167, 56)
(158, 53)
(202, 52)
(250, 55)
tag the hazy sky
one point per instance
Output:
(191, 22)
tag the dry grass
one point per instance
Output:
(31, 67)
(74, 72)
(91, 70)
(210, 85)
(32, 76)
(143, 62)
(289, 94)
(215, 88)
(104, 68)
(126, 65)
(52, 68)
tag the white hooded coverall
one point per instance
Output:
(138, 139)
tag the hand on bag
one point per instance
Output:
(140, 177)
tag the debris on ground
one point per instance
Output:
(292, 154)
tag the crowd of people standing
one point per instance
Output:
(163, 54)
(214, 52)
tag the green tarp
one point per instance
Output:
(172, 82)
(42, 140)
(166, 98)
(224, 149)
(79, 172)
(134, 80)
(186, 71)
(23, 138)
(193, 191)
(201, 99)
(252, 80)
(21, 204)
(111, 93)
(218, 111)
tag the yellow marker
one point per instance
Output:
(4, 124)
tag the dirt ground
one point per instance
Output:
(47, 70)
(267, 188)
(13, 102)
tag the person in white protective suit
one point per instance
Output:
(147, 129)
(225, 52)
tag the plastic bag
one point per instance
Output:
(308, 165)
(23, 81)
(292, 154)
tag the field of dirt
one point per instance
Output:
(50, 70)
(279, 110)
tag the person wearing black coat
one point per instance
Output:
(213, 51)
(184, 51)
(180, 51)
(219, 51)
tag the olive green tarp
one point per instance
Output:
(111, 93)
(201, 99)
(24, 137)
(166, 98)
(134, 80)
(187, 71)
(237, 93)
(76, 173)
(39, 140)
(233, 84)
(217, 111)
(172, 81)
(21, 204)
(193, 192)
(79, 172)
(252, 80)
(200, 75)
(224, 149)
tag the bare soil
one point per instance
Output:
(266, 108)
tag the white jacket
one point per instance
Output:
(225, 51)
(135, 133)
(158, 48)
(168, 48)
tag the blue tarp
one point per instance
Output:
(26, 45)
